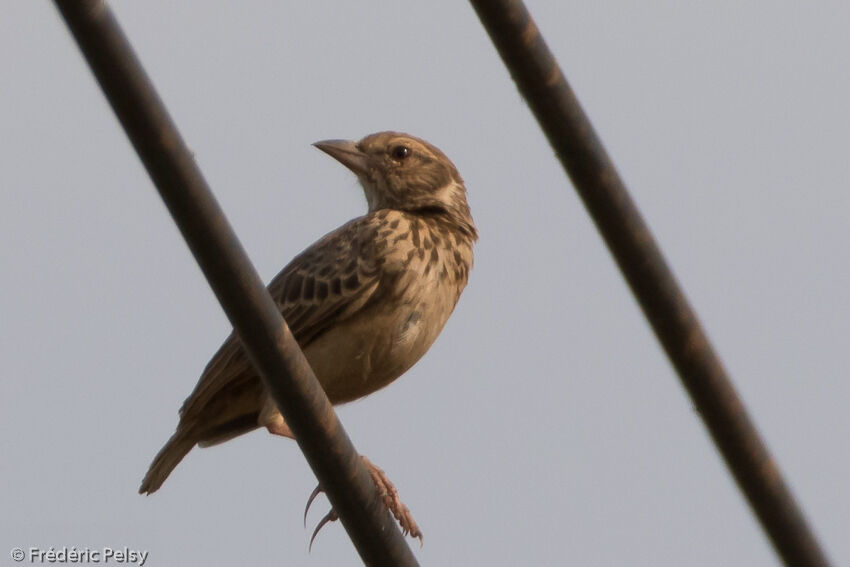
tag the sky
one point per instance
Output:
(545, 426)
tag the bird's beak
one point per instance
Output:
(347, 153)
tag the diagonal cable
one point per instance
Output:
(544, 87)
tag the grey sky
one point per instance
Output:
(544, 427)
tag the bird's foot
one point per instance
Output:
(393, 502)
(389, 494)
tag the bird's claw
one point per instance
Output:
(391, 499)
(329, 517)
(316, 491)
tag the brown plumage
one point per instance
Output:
(365, 302)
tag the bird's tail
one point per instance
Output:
(165, 461)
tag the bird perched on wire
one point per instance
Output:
(364, 302)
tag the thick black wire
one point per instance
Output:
(545, 89)
(266, 338)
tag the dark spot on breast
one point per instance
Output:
(351, 282)
(411, 320)
(336, 286)
(401, 237)
(394, 224)
(426, 242)
(414, 230)
(435, 257)
(436, 239)
(326, 270)
(322, 291)
(458, 257)
(421, 253)
(444, 273)
(410, 254)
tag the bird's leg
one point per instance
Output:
(388, 493)
(272, 420)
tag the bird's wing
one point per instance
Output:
(327, 283)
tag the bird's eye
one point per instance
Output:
(400, 152)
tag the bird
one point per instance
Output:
(364, 302)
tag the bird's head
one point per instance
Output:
(402, 172)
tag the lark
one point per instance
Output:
(364, 302)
